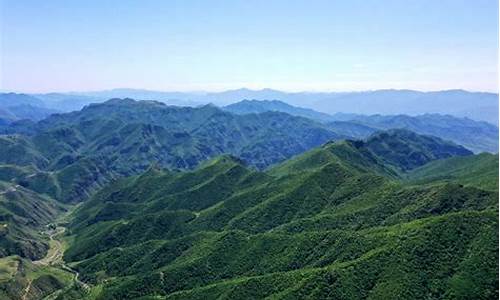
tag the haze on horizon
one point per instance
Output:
(49, 46)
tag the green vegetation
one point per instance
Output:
(21, 279)
(23, 213)
(478, 170)
(476, 136)
(337, 222)
(197, 203)
(73, 155)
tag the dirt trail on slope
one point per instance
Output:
(26, 290)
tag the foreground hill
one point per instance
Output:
(477, 170)
(336, 222)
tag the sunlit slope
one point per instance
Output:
(479, 170)
(336, 222)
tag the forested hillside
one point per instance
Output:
(337, 222)
(200, 203)
(73, 154)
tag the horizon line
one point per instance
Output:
(324, 91)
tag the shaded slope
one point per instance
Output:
(23, 214)
(407, 150)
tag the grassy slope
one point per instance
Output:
(477, 170)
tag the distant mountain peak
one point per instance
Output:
(247, 106)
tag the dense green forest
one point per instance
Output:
(339, 222)
(139, 200)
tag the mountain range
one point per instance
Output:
(480, 106)
(346, 220)
(14, 107)
(476, 136)
(129, 199)
(122, 137)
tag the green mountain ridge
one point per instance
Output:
(316, 226)
(478, 136)
(22, 214)
(122, 137)
(474, 135)
(199, 203)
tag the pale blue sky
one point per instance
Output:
(185, 45)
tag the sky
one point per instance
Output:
(189, 45)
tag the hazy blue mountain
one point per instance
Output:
(474, 135)
(480, 106)
(475, 105)
(259, 106)
(30, 112)
(68, 102)
(15, 107)
(14, 99)
(170, 98)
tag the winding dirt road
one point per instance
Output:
(54, 257)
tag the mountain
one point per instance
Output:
(170, 98)
(475, 105)
(407, 150)
(21, 106)
(347, 213)
(13, 99)
(201, 203)
(338, 222)
(476, 170)
(260, 106)
(76, 153)
(474, 135)
(22, 214)
(478, 106)
(68, 102)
